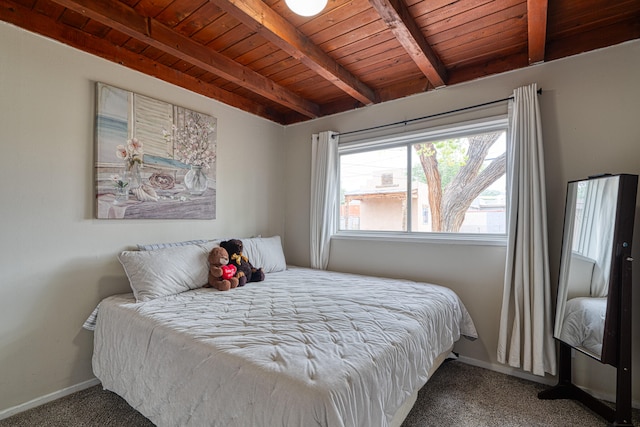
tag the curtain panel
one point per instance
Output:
(525, 337)
(324, 197)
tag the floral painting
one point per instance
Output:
(153, 159)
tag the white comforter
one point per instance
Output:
(303, 348)
(583, 324)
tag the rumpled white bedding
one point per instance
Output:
(583, 323)
(303, 348)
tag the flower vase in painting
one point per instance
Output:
(132, 154)
(132, 172)
(192, 146)
(121, 185)
(196, 181)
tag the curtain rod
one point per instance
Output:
(405, 122)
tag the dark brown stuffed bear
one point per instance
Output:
(221, 273)
(246, 272)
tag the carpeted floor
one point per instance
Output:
(457, 395)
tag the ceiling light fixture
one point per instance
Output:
(306, 7)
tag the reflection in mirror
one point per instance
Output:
(585, 266)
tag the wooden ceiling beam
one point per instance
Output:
(397, 17)
(537, 29)
(126, 20)
(260, 18)
(37, 22)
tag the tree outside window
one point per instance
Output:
(447, 185)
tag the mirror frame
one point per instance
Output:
(617, 340)
(617, 325)
(616, 249)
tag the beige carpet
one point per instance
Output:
(458, 395)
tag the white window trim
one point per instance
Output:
(485, 125)
(418, 237)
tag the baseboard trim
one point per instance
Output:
(6, 413)
(548, 380)
(503, 369)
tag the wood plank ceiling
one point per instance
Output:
(262, 58)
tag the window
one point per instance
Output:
(449, 181)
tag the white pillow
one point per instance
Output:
(265, 253)
(208, 245)
(156, 246)
(153, 274)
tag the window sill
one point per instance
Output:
(439, 238)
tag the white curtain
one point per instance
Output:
(324, 196)
(596, 234)
(525, 338)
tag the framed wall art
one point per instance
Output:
(153, 159)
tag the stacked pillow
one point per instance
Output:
(265, 253)
(155, 246)
(163, 269)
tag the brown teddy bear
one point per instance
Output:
(246, 272)
(221, 273)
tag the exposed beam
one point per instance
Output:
(259, 17)
(396, 15)
(537, 29)
(126, 20)
(41, 24)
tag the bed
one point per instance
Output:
(303, 348)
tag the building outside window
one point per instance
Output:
(449, 181)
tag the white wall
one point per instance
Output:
(591, 123)
(57, 261)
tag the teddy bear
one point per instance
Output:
(246, 272)
(221, 273)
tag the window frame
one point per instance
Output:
(408, 139)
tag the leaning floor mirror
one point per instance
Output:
(593, 310)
